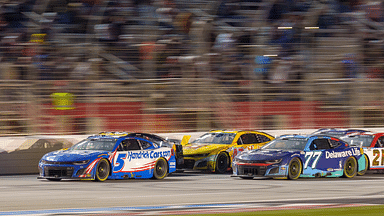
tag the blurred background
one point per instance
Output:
(85, 66)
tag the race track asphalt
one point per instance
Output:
(27, 195)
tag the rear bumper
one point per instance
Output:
(191, 163)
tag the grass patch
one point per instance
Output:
(376, 210)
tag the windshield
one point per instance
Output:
(361, 141)
(216, 138)
(95, 144)
(287, 144)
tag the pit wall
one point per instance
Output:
(21, 155)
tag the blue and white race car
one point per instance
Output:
(109, 156)
(294, 156)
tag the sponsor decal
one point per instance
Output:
(126, 157)
(147, 155)
(352, 152)
(236, 151)
(172, 164)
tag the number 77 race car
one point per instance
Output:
(109, 156)
(294, 156)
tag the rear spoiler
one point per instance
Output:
(185, 140)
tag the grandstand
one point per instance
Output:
(177, 65)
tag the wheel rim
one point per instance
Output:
(161, 169)
(294, 169)
(350, 167)
(102, 170)
(222, 163)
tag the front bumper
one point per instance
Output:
(71, 178)
(48, 171)
(251, 170)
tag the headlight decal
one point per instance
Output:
(273, 161)
(83, 162)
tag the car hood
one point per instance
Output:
(69, 155)
(202, 148)
(261, 155)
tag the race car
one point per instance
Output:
(345, 135)
(215, 150)
(294, 156)
(109, 156)
(373, 146)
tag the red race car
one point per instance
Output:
(373, 146)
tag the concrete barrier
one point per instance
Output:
(21, 155)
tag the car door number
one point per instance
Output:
(312, 155)
(119, 162)
(377, 154)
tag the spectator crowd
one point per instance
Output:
(229, 41)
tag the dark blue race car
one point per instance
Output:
(110, 156)
(295, 156)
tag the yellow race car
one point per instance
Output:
(215, 150)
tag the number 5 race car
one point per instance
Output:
(295, 156)
(109, 156)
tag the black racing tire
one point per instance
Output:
(350, 168)
(222, 163)
(361, 173)
(53, 179)
(161, 169)
(294, 168)
(102, 170)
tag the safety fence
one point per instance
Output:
(186, 104)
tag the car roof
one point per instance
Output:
(114, 134)
(322, 130)
(303, 136)
(120, 134)
(237, 131)
(337, 132)
(223, 131)
(307, 136)
(359, 134)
